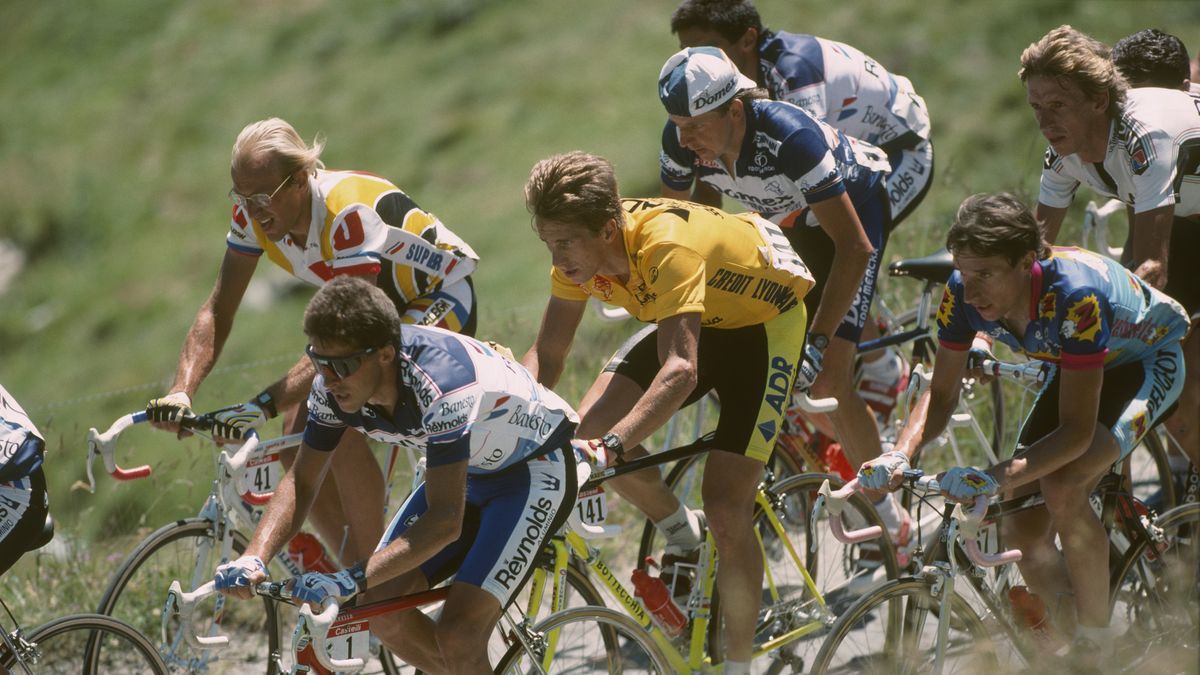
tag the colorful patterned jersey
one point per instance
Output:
(363, 225)
(788, 160)
(459, 400)
(844, 88)
(1085, 311)
(735, 270)
(1153, 157)
(21, 444)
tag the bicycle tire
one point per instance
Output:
(91, 644)
(137, 589)
(1155, 597)
(909, 609)
(590, 639)
(1152, 479)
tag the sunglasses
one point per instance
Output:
(261, 201)
(342, 366)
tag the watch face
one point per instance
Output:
(819, 341)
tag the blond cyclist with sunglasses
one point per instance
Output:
(318, 224)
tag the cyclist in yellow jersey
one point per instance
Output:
(316, 225)
(725, 296)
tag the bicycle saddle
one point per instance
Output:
(934, 268)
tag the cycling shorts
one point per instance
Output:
(751, 369)
(509, 515)
(451, 307)
(816, 248)
(1133, 398)
(23, 508)
(909, 181)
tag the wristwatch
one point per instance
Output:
(612, 443)
(267, 403)
(818, 341)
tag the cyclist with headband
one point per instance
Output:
(318, 224)
(501, 474)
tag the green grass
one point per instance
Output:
(119, 116)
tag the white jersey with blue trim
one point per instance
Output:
(459, 400)
(1152, 160)
(21, 443)
(844, 88)
(788, 160)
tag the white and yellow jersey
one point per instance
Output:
(363, 225)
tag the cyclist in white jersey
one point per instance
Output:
(316, 225)
(24, 503)
(501, 474)
(1140, 146)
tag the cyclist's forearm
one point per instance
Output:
(926, 422)
(665, 395)
(1049, 454)
(431, 533)
(200, 350)
(293, 387)
(845, 276)
(283, 518)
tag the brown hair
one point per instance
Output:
(996, 224)
(574, 189)
(353, 312)
(1067, 54)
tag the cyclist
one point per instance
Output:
(318, 224)
(1140, 146)
(500, 479)
(1116, 343)
(24, 503)
(724, 294)
(1152, 58)
(799, 172)
(850, 92)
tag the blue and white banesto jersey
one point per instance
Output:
(1153, 157)
(20, 442)
(459, 400)
(844, 88)
(788, 160)
(1085, 311)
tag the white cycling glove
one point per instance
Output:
(317, 587)
(170, 408)
(233, 422)
(964, 483)
(810, 367)
(877, 473)
(239, 573)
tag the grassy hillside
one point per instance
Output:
(119, 116)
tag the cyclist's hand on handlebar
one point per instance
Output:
(233, 422)
(317, 587)
(238, 578)
(168, 411)
(980, 352)
(810, 367)
(964, 483)
(885, 472)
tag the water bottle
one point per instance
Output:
(657, 599)
(1029, 607)
(308, 552)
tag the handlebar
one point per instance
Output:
(184, 605)
(815, 405)
(1031, 370)
(969, 520)
(314, 628)
(105, 445)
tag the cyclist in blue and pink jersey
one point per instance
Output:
(24, 503)
(500, 479)
(825, 188)
(1114, 342)
(318, 224)
(1139, 145)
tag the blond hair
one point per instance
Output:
(1067, 54)
(275, 143)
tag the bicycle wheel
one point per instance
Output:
(88, 643)
(1156, 595)
(189, 551)
(586, 640)
(1150, 472)
(893, 629)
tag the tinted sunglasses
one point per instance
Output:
(342, 366)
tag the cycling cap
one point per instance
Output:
(699, 79)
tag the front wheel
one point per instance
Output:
(894, 629)
(586, 640)
(88, 643)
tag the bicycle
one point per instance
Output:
(923, 618)
(80, 643)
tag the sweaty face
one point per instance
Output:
(353, 391)
(994, 287)
(575, 250)
(710, 135)
(1065, 115)
(283, 214)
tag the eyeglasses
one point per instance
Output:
(261, 201)
(342, 366)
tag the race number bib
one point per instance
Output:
(592, 506)
(351, 641)
(263, 472)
